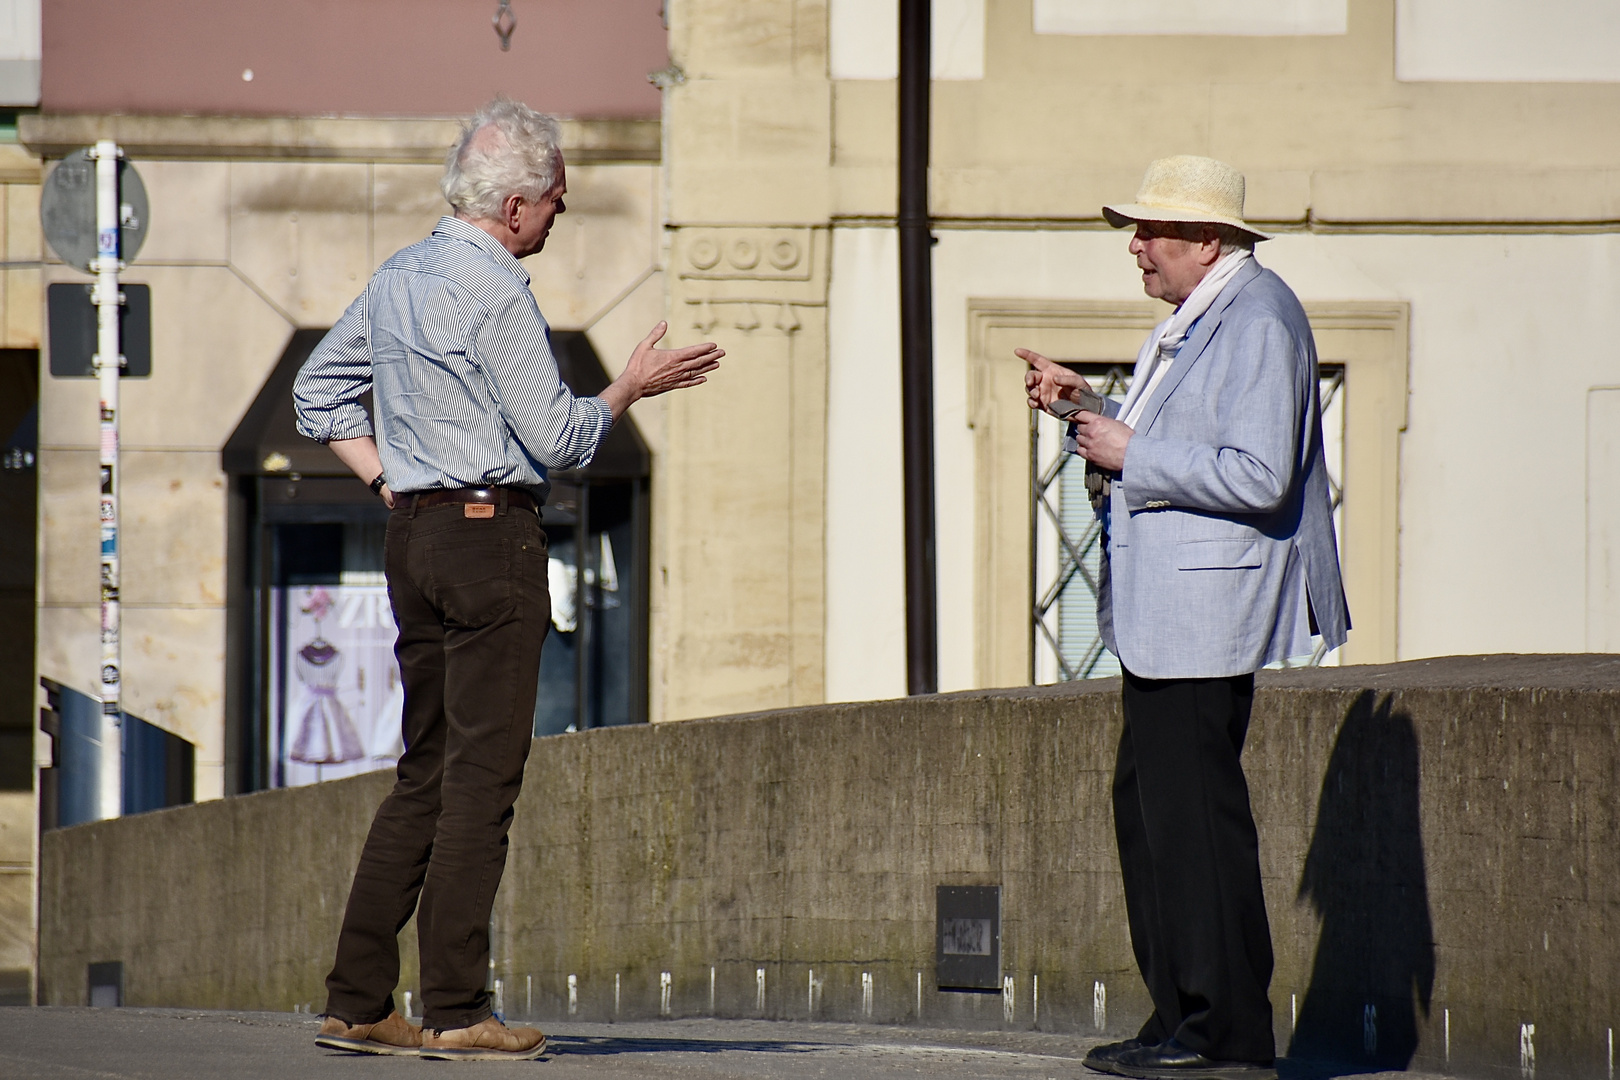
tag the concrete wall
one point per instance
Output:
(1439, 842)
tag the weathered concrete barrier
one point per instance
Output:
(1439, 841)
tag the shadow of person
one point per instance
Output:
(597, 1045)
(1365, 878)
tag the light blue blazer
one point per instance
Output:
(1222, 521)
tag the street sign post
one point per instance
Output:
(74, 210)
(108, 358)
(67, 210)
(75, 325)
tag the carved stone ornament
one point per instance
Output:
(743, 315)
(747, 254)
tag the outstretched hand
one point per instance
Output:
(663, 370)
(652, 371)
(1047, 381)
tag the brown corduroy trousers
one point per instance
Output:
(471, 601)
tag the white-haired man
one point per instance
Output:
(470, 413)
(1218, 558)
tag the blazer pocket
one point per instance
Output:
(1224, 554)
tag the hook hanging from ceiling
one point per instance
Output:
(504, 22)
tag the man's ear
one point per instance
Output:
(512, 209)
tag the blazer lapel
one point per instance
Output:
(1194, 347)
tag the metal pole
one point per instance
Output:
(582, 610)
(108, 360)
(917, 351)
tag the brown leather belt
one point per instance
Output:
(492, 495)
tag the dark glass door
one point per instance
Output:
(315, 691)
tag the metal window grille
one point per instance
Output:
(1068, 539)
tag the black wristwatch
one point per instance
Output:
(377, 484)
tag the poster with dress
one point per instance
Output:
(335, 693)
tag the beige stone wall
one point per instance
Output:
(240, 253)
(1059, 124)
(21, 244)
(16, 886)
(1321, 126)
(742, 492)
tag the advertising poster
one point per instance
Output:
(335, 693)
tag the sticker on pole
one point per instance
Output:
(67, 211)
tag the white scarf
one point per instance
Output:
(1167, 338)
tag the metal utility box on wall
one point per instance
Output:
(967, 937)
(106, 982)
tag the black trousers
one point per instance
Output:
(1191, 863)
(471, 599)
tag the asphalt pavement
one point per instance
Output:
(190, 1044)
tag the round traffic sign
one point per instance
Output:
(67, 210)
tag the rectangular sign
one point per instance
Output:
(72, 318)
(967, 953)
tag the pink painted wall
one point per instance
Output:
(577, 58)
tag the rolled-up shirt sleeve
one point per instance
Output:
(330, 385)
(554, 427)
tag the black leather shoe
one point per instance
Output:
(1172, 1061)
(1104, 1058)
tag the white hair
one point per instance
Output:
(1234, 239)
(1231, 237)
(479, 175)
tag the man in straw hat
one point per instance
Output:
(1218, 558)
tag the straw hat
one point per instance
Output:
(1187, 188)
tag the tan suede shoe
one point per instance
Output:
(395, 1035)
(490, 1040)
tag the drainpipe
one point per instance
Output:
(917, 351)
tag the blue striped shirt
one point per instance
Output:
(466, 389)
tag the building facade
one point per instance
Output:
(1437, 175)
(282, 165)
(1441, 179)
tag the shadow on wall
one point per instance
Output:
(1364, 876)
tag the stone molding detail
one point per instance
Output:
(747, 254)
(316, 138)
(743, 315)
